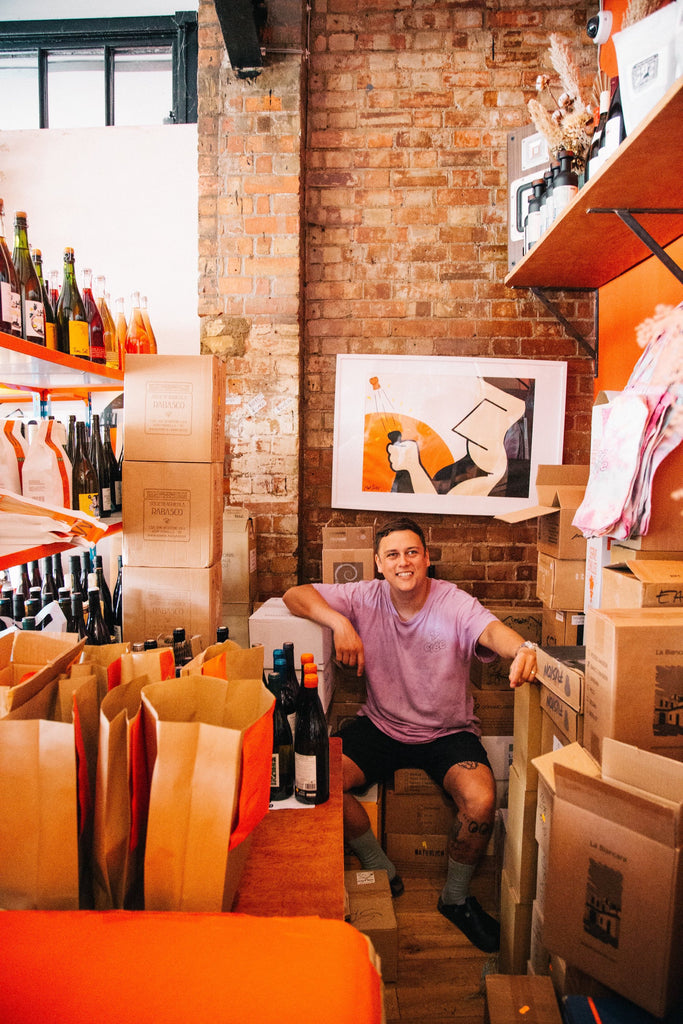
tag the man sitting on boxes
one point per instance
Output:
(414, 637)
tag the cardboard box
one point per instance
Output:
(539, 955)
(573, 756)
(38, 656)
(598, 555)
(422, 854)
(562, 628)
(569, 980)
(614, 898)
(560, 582)
(240, 580)
(236, 618)
(634, 679)
(341, 712)
(551, 737)
(414, 780)
(417, 813)
(527, 732)
(175, 408)
(495, 675)
(371, 911)
(620, 553)
(499, 750)
(495, 711)
(542, 873)
(520, 843)
(562, 670)
(156, 602)
(172, 514)
(348, 554)
(348, 685)
(272, 624)
(646, 584)
(509, 997)
(560, 491)
(567, 721)
(515, 928)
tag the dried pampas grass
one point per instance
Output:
(563, 62)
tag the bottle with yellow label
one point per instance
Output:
(73, 336)
(85, 490)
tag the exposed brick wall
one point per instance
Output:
(401, 249)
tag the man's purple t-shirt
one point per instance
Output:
(417, 672)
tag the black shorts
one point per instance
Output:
(378, 756)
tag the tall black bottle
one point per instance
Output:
(311, 746)
(282, 765)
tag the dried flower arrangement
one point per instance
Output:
(570, 125)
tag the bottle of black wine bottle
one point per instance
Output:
(282, 770)
(101, 467)
(290, 688)
(117, 599)
(311, 746)
(85, 487)
(10, 300)
(105, 594)
(96, 632)
(32, 312)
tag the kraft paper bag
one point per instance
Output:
(156, 664)
(29, 660)
(117, 872)
(105, 662)
(39, 864)
(209, 748)
(227, 660)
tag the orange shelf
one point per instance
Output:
(586, 250)
(28, 367)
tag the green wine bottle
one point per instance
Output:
(73, 336)
(30, 294)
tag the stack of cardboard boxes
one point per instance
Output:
(174, 441)
(239, 577)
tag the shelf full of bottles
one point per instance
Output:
(27, 366)
(589, 243)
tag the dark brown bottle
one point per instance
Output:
(30, 292)
(10, 301)
(85, 487)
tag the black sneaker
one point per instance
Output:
(480, 928)
(396, 885)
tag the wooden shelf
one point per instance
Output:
(30, 367)
(586, 250)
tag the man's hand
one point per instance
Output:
(509, 644)
(307, 602)
(348, 646)
(523, 668)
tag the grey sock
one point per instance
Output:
(371, 854)
(457, 882)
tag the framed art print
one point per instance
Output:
(445, 434)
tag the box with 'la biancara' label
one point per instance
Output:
(172, 513)
(174, 408)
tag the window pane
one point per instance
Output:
(75, 89)
(19, 91)
(143, 86)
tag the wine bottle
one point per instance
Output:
(105, 596)
(222, 634)
(593, 162)
(57, 570)
(137, 339)
(49, 587)
(95, 323)
(96, 632)
(615, 132)
(71, 439)
(50, 322)
(54, 289)
(111, 348)
(76, 623)
(75, 575)
(73, 336)
(311, 746)
(121, 332)
(86, 569)
(533, 221)
(10, 300)
(101, 467)
(34, 575)
(29, 622)
(148, 325)
(64, 601)
(566, 184)
(117, 599)
(290, 688)
(18, 607)
(282, 765)
(30, 294)
(182, 652)
(85, 483)
(112, 469)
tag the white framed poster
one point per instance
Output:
(454, 435)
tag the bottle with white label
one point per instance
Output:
(10, 303)
(532, 222)
(593, 162)
(615, 132)
(311, 745)
(566, 183)
(30, 292)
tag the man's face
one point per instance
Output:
(402, 560)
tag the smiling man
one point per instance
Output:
(414, 638)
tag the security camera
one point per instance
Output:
(599, 27)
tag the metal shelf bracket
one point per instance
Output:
(628, 218)
(591, 350)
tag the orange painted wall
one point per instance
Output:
(627, 301)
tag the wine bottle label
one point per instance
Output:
(305, 774)
(106, 499)
(117, 488)
(275, 771)
(79, 338)
(35, 320)
(50, 336)
(88, 503)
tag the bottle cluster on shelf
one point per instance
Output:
(72, 467)
(77, 322)
(554, 190)
(301, 758)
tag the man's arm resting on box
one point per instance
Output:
(309, 604)
(509, 644)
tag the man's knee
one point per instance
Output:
(352, 776)
(473, 790)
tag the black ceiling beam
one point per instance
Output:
(238, 21)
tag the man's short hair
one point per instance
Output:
(399, 523)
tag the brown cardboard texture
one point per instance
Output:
(562, 628)
(371, 911)
(494, 675)
(560, 582)
(348, 554)
(520, 843)
(30, 660)
(560, 491)
(424, 854)
(495, 711)
(649, 583)
(572, 755)
(527, 732)
(239, 557)
(634, 679)
(175, 408)
(172, 514)
(562, 670)
(414, 780)
(518, 997)
(156, 602)
(515, 928)
(566, 720)
(416, 813)
(614, 896)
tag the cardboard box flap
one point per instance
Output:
(653, 570)
(348, 537)
(635, 810)
(557, 486)
(642, 770)
(236, 520)
(573, 755)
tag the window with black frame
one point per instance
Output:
(70, 73)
